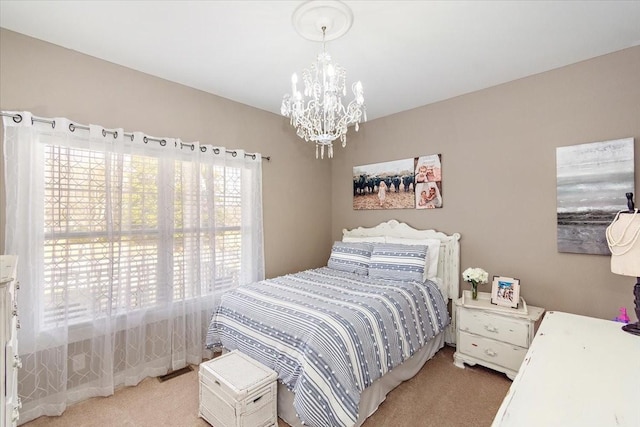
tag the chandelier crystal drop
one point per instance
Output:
(318, 113)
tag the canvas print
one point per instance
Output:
(592, 180)
(387, 185)
(428, 182)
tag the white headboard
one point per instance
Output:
(448, 261)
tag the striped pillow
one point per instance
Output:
(350, 257)
(394, 261)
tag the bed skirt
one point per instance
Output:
(373, 395)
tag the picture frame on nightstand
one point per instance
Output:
(505, 291)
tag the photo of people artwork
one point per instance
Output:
(399, 184)
(428, 182)
(505, 291)
(387, 185)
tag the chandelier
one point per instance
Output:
(318, 113)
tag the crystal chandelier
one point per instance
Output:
(318, 113)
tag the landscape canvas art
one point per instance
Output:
(388, 185)
(592, 180)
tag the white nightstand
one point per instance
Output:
(493, 336)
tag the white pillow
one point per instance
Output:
(433, 253)
(377, 239)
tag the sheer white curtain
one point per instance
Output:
(125, 241)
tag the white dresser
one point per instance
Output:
(580, 371)
(10, 362)
(493, 336)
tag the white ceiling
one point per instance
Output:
(406, 53)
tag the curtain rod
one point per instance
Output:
(72, 127)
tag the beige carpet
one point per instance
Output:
(439, 395)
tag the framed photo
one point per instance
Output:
(505, 291)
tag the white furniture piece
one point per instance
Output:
(9, 360)
(579, 371)
(494, 336)
(237, 391)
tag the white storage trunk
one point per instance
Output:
(237, 391)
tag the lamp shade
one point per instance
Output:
(623, 238)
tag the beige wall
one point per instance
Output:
(498, 151)
(51, 81)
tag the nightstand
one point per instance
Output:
(494, 336)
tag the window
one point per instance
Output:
(128, 231)
(124, 244)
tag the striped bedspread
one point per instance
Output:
(328, 334)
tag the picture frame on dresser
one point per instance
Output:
(505, 291)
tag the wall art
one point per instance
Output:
(399, 184)
(387, 185)
(592, 180)
(428, 182)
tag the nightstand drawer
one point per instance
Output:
(494, 326)
(500, 353)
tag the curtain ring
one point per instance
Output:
(203, 149)
(53, 124)
(163, 142)
(72, 127)
(216, 150)
(193, 147)
(234, 153)
(145, 139)
(115, 135)
(104, 132)
(131, 137)
(17, 118)
(253, 157)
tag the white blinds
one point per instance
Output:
(114, 257)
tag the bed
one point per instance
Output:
(341, 337)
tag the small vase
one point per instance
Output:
(474, 291)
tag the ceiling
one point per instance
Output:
(406, 53)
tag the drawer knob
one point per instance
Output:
(490, 352)
(491, 328)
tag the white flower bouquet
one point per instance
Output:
(475, 276)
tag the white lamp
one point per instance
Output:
(623, 238)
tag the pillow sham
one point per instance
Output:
(433, 253)
(377, 239)
(351, 257)
(393, 261)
